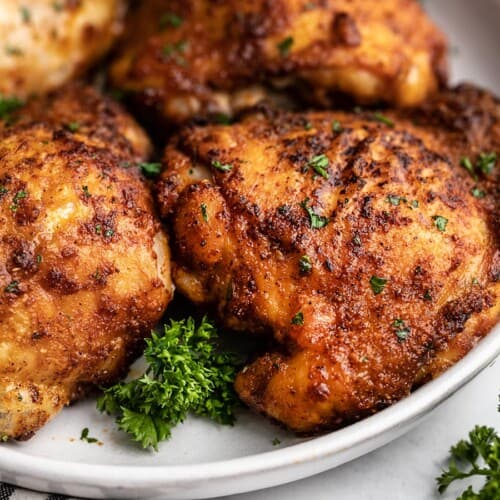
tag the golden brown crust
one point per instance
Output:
(399, 207)
(84, 271)
(46, 43)
(188, 58)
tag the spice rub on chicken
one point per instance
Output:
(357, 242)
(84, 263)
(191, 58)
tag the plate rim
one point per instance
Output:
(409, 409)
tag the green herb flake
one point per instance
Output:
(316, 221)
(276, 442)
(98, 229)
(73, 127)
(467, 164)
(221, 166)
(109, 233)
(400, 329)
(186, 373)
(378, 284)
(204, 214)
(170, 19)
(150, 169)
(86, 192)
(3, 190)
(84, 436)
(428, 296)
(12, 287)
(25, 14)
(285, 46)
(20, 195)
(319, 164)
(440, 222)
(486, 162)
(336, 127)
(298, 319)
(478, 193)
(414, 204)
(305, 264)
(39, 259)
(7, 106)
(394, 200)
(383, 119)
(175, 51)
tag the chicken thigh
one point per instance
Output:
(192, 58)
(355, 241)
(84, 263)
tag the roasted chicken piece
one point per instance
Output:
(84, 264)
(185, 58)
(44, 43)
(355, 240)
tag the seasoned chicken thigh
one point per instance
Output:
(44, 43)
(356, 242)
(84, 264)
(191, 58)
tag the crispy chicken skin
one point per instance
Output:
(370, 281)
(45, 43)
(84, 264)
(185, 58)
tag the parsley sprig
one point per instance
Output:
(477, 456)
(185, 375)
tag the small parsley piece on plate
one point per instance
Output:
(467, 164)
(383, 119)
(440, 222)
(170, 19)
(478, 456)
(84, 436)
(86, 192)
(298, 319)
(7, 106)
(477, 193)
(378, 284)
(394, 200)
(285, 45)
(276, 442)
(223, 167)
(73, 127)
(319, 164)
(336, 126)
(175, 51)
(400, 329)
(20, 195)
(12, 287)
(316, 221)
(486, 162)
(150, 169)
(185, 374)
(305, 264)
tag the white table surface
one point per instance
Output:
(404, 469)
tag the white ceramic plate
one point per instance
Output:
(204, 460)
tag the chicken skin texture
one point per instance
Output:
(353, 241)
(47, 43)
(190, 58)
(84, 264)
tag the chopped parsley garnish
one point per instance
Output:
(477, 193)
(486, 162)
(427, 295)
(175, 50)
(185, 374)
(3, 190)
(86, 192)
(440, 222)
(285, 45)
(378, 284)
(305, 264)
(109, 233)
(25, 15)
(7, 106)
(98, 229)
(395, 200)
(383, 119)
(276, 442)
(478, 456)
(150, 169)
(467, 164)
(316, 221)
(20, 195)
(400, 329)
(414, 204)
(319, 164)
(204, 214)
(308, 126)
(222, 119)
(12, 287)
(84, 436)
(73, 126)
(221, 166)
(298, 319)
(170, 19)
(336, 126)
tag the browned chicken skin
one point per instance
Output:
(84, 264)
(190, 58)
(354, 239)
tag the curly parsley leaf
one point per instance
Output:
(7, 106)
(186, 374)
(477, 456)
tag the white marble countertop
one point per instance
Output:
(404, 469)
